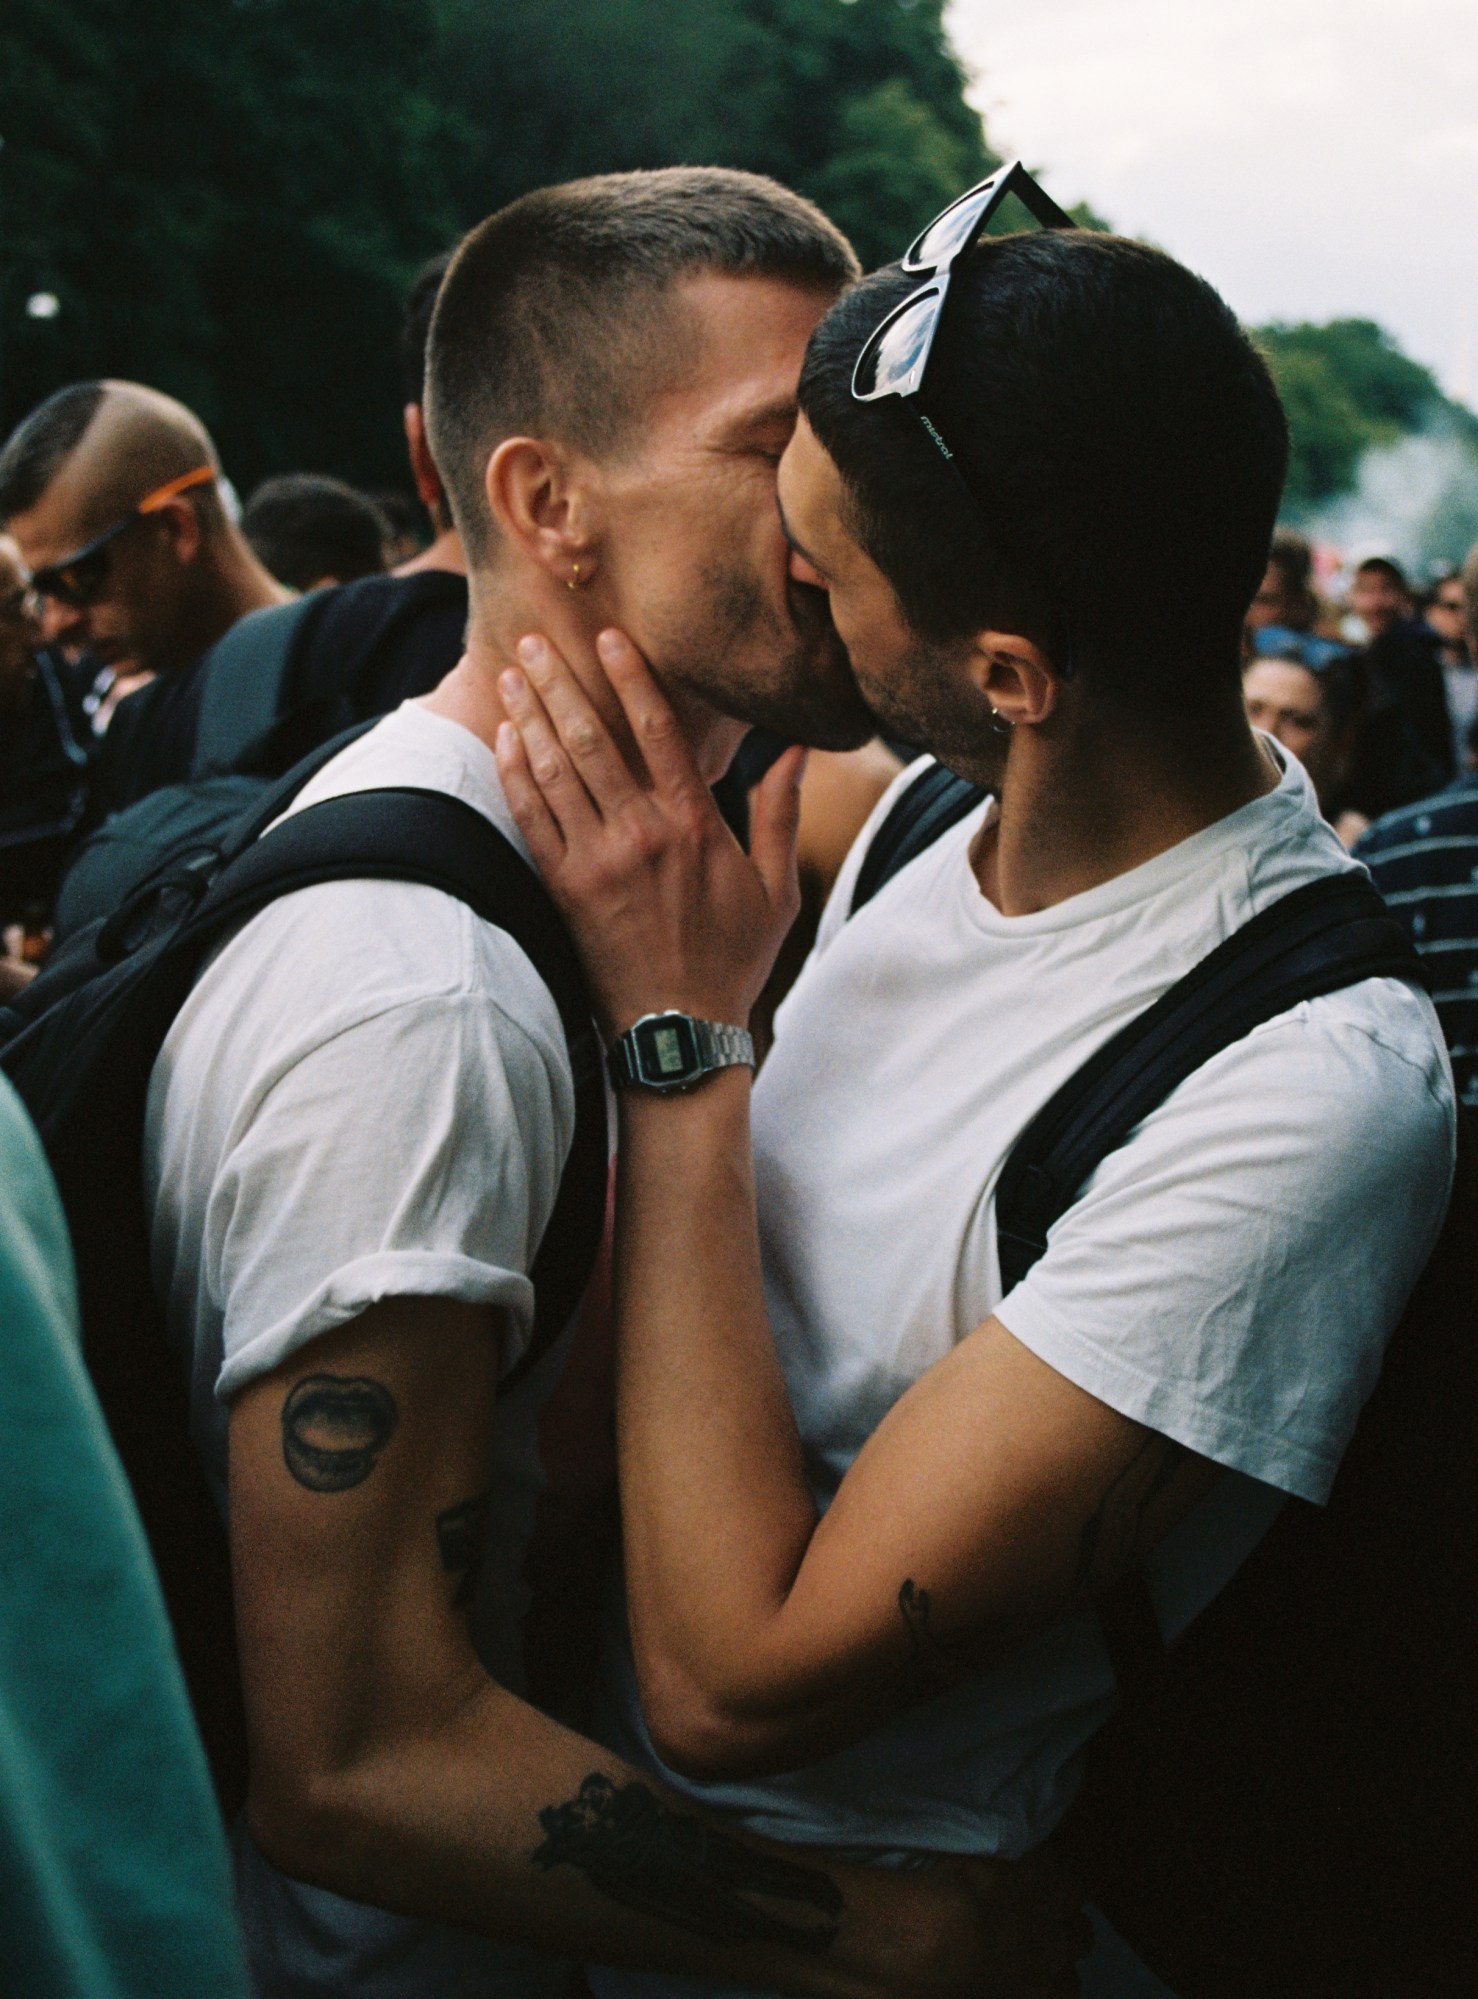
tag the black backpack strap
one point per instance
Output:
(431, 838)
(922, 811)
(1329, 934)
(243, 677)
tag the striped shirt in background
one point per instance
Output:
(1424, 861)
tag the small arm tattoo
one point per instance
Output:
(1110, 1539)
(649, 1856)
(334, 1428)
(938, 1660)
(461, 1534)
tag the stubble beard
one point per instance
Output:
(784, 672)
(926, 703)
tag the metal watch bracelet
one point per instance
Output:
(673, 1051)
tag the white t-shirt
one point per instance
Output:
(1228, 1277)
(367, 1095)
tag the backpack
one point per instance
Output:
(279, 684)
(1282, 1805)
(79, 1044)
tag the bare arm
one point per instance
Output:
(994, 1495)
(388, 1767)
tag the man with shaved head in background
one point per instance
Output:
(112, 492)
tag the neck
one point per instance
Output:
(503, 611)
(446, 552)
(229, 584)
(1081, 805)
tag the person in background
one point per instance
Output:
(1424, 861)
(310, 530)
(1285, 600)
(408, 535)
(1405, 675)
(445, 549)
(112, 492)
(1315, 710)
(114, 1879)
(43, 771)
(1445, 608)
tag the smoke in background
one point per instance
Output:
(1416, 500)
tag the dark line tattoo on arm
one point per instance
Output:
(334, 1428)
(647, 1855)
(1109, 1543)
(937, 1659)
(461, 1535)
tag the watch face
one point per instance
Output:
(666, 1049)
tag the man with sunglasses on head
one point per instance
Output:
(873, 1500)
(112, 492)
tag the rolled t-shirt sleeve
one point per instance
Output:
(416, 1153)
(1220, 1280)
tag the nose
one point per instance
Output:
(61, 623)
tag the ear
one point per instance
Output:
(429, 489)
(541, 501)
(1016, 676)
(182, 524)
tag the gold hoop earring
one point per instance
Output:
(574, 582)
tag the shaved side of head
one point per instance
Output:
(101, 447)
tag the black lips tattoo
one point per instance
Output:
(334, 1427)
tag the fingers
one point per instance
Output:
(775, 818)
(586, 739)
(653, 725)
(526, 802)
(548, 764)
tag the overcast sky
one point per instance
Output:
(1313, 158)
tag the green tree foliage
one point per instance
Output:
(1348, 388)
(229, 196)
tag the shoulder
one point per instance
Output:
(1419, 837)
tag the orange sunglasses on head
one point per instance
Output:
(77, 579)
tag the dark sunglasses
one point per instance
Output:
(78, 578)
(895, 357)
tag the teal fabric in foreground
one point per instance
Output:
(114, 1880)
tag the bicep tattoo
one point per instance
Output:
(461, 1535)
(1110, 1541)
(647, 1855)
(334, 1428)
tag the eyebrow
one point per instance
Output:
(799, 547)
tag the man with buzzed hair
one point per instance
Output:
(112, 492)
(356, 1129)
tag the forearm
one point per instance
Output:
(495, 1818)
(717, 1513)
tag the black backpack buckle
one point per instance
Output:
(157, 906)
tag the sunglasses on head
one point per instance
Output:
(895, 357)
(78, 578)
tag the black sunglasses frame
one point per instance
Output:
(54, 580)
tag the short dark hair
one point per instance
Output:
(1344, 686)
(1121, 434)
(1293, 559)
(1383, 565)
(304, 526)
(38, 447)
(415, 325)
(550, 319)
